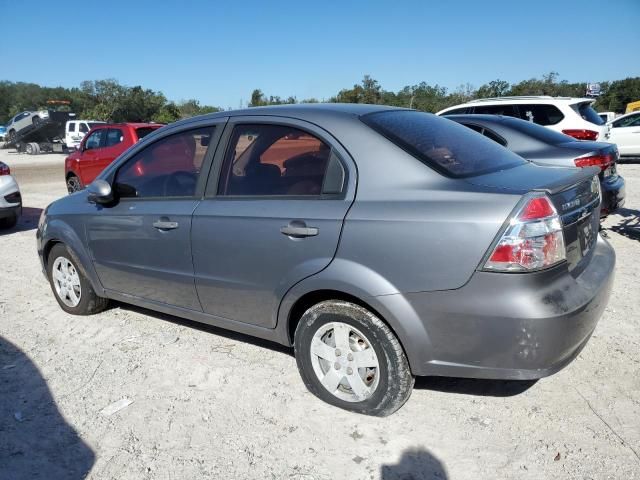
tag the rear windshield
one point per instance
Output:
(144, 131)
(544, 134)
(445, 145)
(587, 112)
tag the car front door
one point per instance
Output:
(625, 133)
(141, 246)
(91, 146)
(273, 218)
(113, 145)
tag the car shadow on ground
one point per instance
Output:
(629, 224)
(35, 439)
(27, 221)
(415, 464)
(240, 337)
(474, 386)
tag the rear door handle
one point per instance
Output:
(165, 225)
(299, 231)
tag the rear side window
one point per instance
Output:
(267, 160)
(72, 127)
(630, 121)
(114, 137)
(540, 114)
(457, 111)
(144, 131)
(447, 146)
(586, 111)
(506, 110)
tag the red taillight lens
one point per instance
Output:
(539, 207)
(580, 134)
(4, 169)
(532, 241)
(602, 161)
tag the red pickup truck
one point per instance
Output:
(99, 148)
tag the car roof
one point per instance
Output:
(127, 124)
(304, 111)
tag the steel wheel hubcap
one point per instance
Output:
(66, 282)
(345, 362)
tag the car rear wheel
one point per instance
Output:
(350, 358)
(73, 184)
(70, 286)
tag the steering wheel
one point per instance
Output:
(182, 182)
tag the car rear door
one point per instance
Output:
(270, 218)
(141, 246)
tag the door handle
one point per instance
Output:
(165, 225)
(299, 231)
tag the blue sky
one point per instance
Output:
(218, 52)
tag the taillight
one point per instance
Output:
(581, 134)
(532, 241)
(4, 169)
(602, 161)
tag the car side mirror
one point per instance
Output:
(100, 192)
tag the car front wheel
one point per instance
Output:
(350, 358)
(70, 286)
(73, 184)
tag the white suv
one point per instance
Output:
(571, 116)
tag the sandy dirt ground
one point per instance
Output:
(133, 394)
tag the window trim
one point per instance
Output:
(215, 176)
(484, 129)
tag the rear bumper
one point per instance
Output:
(613, 195)
(512, 326)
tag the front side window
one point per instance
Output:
(541, 114)
(273, 160)
(95, 139)
(114, 137)
(447, 146)
(169, 167)
(83, 128)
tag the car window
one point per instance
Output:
(114, 137)
(630, 121)
(72, 127)
(95, 140)
(273, 160)
(169, 167)
(446, 146)
(83, 128)
(540, 114)
(545, 135)
(586, 111)
(507, 110)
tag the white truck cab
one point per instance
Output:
(75, 130)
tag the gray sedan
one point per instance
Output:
(380, 243)
(548, 147)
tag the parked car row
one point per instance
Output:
(381, 243)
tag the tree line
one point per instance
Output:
(433, 98)
(105, 100)
(108, 100)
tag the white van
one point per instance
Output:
(75, 130)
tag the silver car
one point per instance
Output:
(10, 198)
(25, 119)
(380, 243)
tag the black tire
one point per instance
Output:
(394, 382)
(90, 302)
(9, 222)
(29, 149)
(73, 184)
(12, 136)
